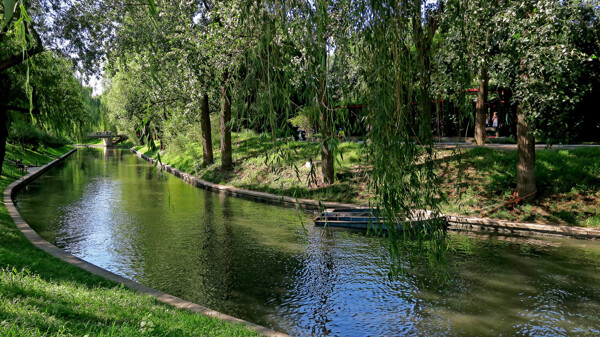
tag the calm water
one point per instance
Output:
(257, 262)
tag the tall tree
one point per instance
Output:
(48, 92)
(226, 154)
(325, 109)
(482, 54)
(481, 109)
(400, 148)
(542, 66)
(325, 27)
(22, 47)
(207, 150)
(424, 27)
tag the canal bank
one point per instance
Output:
(455, 222)
(56, 252)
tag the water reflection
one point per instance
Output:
(256, 262)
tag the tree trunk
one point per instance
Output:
(481, 108)
(526, 149)
(207, 150)
(327, 127)
(326, 151)
(226, 157)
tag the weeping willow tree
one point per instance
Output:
(275, 54)
(300, 46)
(35, 80)
(394, 46)
(397, 49)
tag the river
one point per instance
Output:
(269, 265)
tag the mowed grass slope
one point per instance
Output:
(476, 180)
(283, 167)
(43, 296)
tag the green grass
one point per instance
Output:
(28, 157)
(43, 296)
(127, 143)
(92, 141)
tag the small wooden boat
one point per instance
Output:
(367, 218)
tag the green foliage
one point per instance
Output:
(279, 168)
(300, 61)
(28, 156)
(29, 135)
(9, 6)
(542, 62)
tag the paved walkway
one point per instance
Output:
(469, 144)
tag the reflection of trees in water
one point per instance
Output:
(150, 171)
(214, 250)
(319, 278)
(227, 264)
(539, 284)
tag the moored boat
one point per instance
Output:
(368, 218)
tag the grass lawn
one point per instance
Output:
(568, 183)
(279, 168)
(475, 180)
(43, 296)
(28, 157)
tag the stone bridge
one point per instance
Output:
(107, 137)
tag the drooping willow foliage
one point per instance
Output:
(396, 58)
(396, 40)
(391, 43)
(283, 56)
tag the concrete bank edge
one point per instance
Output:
(521, 228)
(242, 193)
(456, 223)
(46, 246)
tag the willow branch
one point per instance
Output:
(18, 58)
